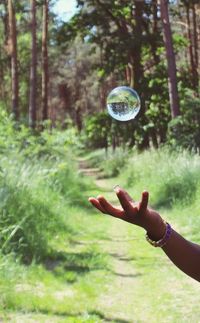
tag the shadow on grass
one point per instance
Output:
(90, 315)
(124, 258)
(100, 239)
(127, 275)
(70, 266)
(108, 319)
(121, 257)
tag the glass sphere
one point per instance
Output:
(123, 103)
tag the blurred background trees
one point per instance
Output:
(105, 44)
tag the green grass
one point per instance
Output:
(78, 276)
(35, 194)
(168, 295)
(62, 285)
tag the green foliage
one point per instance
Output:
(63, 286)
(103, 45)
(101, 131)
(97, 130)
(171, 177)
(114, 163)
(28, 218)
(184, 131)
(120, 45)
(78, 81)
(38, 178)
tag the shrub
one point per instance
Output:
(171, 177)
(38, 177)
(184, 131)
(28, 214)
(114, 163)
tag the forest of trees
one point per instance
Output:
(63, 71)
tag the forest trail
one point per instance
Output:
(109, 274)
(117, 304)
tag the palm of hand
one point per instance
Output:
(129, 211)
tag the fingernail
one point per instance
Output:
(116, 188)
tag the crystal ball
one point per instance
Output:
(123, 103)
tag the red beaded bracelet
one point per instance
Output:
(160, 243)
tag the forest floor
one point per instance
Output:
(114, 276)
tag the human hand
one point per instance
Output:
(137, 213)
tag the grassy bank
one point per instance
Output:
(86, 267)
(61, 287)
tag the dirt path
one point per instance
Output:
(117, 303)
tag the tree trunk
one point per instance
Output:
(3, 64)
(45, 73)
(195, 36)
(130, 72)
(171, 63)
(5, 22)
(33, 70)
(196, 62)
(78, 119)
(155, 32)
(136, 52)
(194, 75)
(12, 45)
(153, 134)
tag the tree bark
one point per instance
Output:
(5, 22)
(171, 63)
(4, 64)
(12, 47)
(195, 35)
(33, 69)
(194, 75)
(45, 72)
(155, 31)
(136, 52)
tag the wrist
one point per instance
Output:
(161, 242)
(156, 227)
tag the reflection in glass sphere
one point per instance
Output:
(123, 103)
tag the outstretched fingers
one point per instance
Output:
(109, 208)
(104, 206)
(144, 202)
(124, 199)
(96, 204)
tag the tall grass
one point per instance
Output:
(33, 199)
(109, 162)
(171, 177)
(38, 178)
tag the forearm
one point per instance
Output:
(184, 254)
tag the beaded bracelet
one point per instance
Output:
(160, 243)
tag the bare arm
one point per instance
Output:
(183, 253)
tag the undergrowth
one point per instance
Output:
(38, 179)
